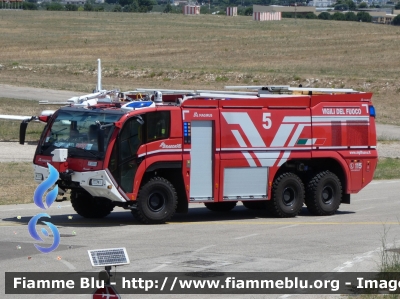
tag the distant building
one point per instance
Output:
(11, 4)
(231, 11)
(381, 17)
(180, 3)
(267, 16)
(277, 8)
(76, 2)
(321, 3)
(191, 10)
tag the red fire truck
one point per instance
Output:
(155, 151)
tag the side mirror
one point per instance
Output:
(22, 131)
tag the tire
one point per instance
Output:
(255, 205)
(324, 194)
(156, 202)
(89, 207)
(287, 195)
(220, 206)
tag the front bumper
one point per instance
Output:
(96, 183)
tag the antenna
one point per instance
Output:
(98, 75)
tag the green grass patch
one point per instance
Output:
(388, 168)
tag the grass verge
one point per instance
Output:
(389, 270)
(387, 169)
(17, 185)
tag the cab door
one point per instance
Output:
(124, 159)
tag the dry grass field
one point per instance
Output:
(9, 130)
(59, 50)
(16, 183)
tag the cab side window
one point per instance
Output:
(130, 139)
(157, 125)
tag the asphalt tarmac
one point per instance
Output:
(241, 240)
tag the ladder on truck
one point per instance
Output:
(231, 92)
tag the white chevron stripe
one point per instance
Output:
(243, 119)
(282, 135)
(249, 159)
(286, 155)
(239, 138)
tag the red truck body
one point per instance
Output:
(274, 149)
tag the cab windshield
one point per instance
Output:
(79, 131)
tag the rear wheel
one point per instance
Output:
(89, 207)
(220, 206)
(255, 205)
(156, 202)
(287, 195)
(324, 194)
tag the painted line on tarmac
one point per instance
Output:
(375, 198)
(19, 209)
(68, 264)
(323, 218)
(159, 267)
(358, 259)
(243, 237)
(283, 227)
(10, 224)
(384, 182)
(91, 224)
(203, 248)
(283, 223)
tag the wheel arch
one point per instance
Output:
(171, 171)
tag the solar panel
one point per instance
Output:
(108, 257)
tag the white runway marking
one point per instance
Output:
(203, 248)
(248, 236)
(288, 226)
(68, 264)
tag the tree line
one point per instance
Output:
(143, 6)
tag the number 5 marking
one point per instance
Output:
(267, 120)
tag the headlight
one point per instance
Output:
(38, 177)
(96, 182)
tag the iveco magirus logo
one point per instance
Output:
(163, 145)
(38, 200)
(202, 114)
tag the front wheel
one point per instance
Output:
(89, 207)
(287, 195)
(324, 194)
(156, 202)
